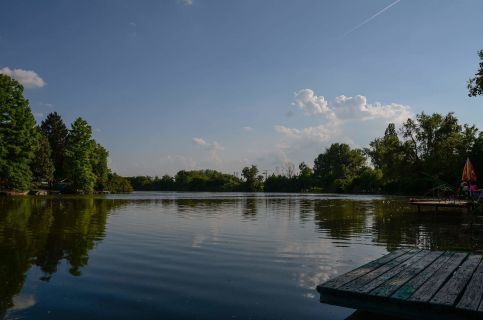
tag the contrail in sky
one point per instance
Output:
(371, 17)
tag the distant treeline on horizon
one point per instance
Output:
(424, 155)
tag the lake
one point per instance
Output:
(201, 255)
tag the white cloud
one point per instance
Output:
(200, 141)
(214, 149)
(28, 78)
(351, 120)
(349, 108)
(48, 105)
(319, 133)
(307, 101)
(186, 2)
(38, 115)
(215, 152)
(247, 129)
(22, 302)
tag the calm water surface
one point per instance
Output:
(200, 255)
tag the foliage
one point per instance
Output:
(195, 180)
(338, 166)
(18, 136)
(78, 153)
(99, 166)
(429, 149)
(475, 85)
(54, 129)
(253, 182)
(42, 165)
(118, 184)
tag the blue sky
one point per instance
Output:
(170, 84)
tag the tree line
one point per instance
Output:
(49, 155)
(421, 155)
(424, 153)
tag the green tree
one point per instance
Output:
(475, 85)
(338, 166)
(436, 147)
(118, 184)
(56, 132)
(253, 181)
(387, 155)
(42, 165)
(18, 136)
(78, 152)
(305, 177)
(99, 166)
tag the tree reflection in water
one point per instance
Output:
(394, 224)
(42, 232)
(45, 232)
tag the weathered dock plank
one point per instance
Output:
(391, 273)
(432, 285)
(356, 273)
(471, 298)
(370, 276)
(405, 291)
(417, 284)
(390, 286)
(448, 294)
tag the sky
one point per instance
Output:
(222, 84)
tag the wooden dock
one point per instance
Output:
(413, 284)
(436, 203)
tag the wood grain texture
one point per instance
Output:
(356, 273)
(471, 298)
(432, 285)
(405, 291)
(391, 285)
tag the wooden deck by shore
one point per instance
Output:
(413, 284)
(437, 203)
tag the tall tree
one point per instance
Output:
(42, 165)
(387, 154)
(78, 152)
(18, 136)
(475, 85)
(99, 166)
(56, 132)
(338, 166)
(253, 181)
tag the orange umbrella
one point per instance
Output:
(468, 172)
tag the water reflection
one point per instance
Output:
(42, 232)
(246, 244)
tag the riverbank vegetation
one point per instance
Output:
(423, 154)
(50, 155)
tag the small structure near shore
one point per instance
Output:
(440, 203)
(413, 284)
